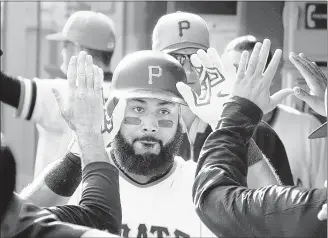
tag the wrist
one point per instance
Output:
(244, 106)
(92, 147)
(89, 137)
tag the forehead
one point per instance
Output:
(151, 102)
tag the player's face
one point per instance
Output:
(192, 77)
(69, 50)
(149, 137)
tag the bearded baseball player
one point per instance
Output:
(220, 193)
(34, 100)
(182, 34)
(155, 184)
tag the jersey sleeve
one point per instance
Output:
(38, 104)
(100, 205)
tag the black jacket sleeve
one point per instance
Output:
(228, 207)
(100, 205)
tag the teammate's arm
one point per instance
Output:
(33, 99)
(100, 206)
(56, 183)
(220, 188)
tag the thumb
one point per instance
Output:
(60, 103)
(304, 96)
(281, 95)
(59, 99)
(187, 93)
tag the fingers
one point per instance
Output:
(98, 78)
(216, 60)
(89, 72)
(278, 97)
(303, 67)
(273, 66)
(81, 72)
(242, 65)
(263, 57)
(204, 59)
(189, 96)
(71, 72)
(304, 96)
(315, 70)
(254, 59)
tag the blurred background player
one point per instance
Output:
(33, 98)
(182, 34)
(307, 158)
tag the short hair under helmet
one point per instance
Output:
(148, 74)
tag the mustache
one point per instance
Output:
(148, 138)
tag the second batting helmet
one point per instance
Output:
(148, 74)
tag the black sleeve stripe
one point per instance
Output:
(34, 94)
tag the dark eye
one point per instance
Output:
(138, 109)
(164, 112)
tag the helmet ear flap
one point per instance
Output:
(183, 125)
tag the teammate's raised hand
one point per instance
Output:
(82, 109)
(216, 76)
(253, 82)
(314, 78)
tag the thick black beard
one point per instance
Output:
(149, 165)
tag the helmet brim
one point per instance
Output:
(150, 93)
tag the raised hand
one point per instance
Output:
(314, 78)
(82, 109)
(216, 77)
(253, 83)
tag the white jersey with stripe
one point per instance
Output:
(163, 208)
(307, 158)
(38, 104)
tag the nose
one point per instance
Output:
(149, 125)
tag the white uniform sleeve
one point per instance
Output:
(37, 102)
